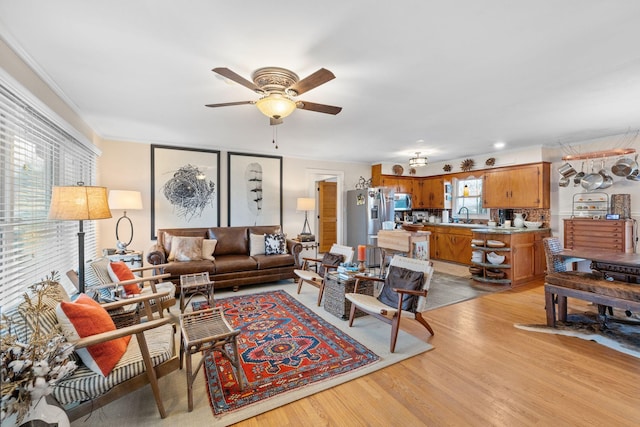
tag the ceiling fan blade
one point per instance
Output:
(231, 75)
(228, 104)
(320, 108)
(314, 80)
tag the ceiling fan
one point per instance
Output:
(278, 86)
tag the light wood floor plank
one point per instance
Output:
(484, 371)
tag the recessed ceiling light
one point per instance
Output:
(498, 144)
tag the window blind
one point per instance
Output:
(35, 155)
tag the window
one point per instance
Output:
(468, 194)
(35, 155)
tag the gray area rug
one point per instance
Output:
(447, 289)
(620, 333)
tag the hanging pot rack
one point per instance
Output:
(600, 154)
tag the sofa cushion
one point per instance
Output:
(186, 248)
(256, 244)
(208, 248)
(272, 261)
(165, 236)
(233, 263)
(231, 240)
(275, 244)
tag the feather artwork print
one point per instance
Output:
(253, 179)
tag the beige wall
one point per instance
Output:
(127, 166)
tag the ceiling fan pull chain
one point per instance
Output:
(275, 137)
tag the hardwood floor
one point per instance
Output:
(484, 372)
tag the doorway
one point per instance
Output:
(313, 177)
(327, 215)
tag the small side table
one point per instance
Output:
(132, 258)
(335, 288)
(207, 330)
(194, 285)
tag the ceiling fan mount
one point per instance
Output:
(278, 86)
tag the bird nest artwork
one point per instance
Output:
(189, 191)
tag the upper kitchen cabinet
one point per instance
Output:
(428, 193)
(399, 184)
(525, 186)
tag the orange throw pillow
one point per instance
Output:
(119, 271)
(83, 318)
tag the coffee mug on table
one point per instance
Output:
(507, 224)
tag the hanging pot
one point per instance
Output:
(607, 180)
(625, 166)
(634, 176)
(592, 180)
(564, 181)
(566, 170)
(578, 177)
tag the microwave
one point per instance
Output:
(402, 202)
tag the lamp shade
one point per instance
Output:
(79, 202)
(124, 199)
(276, 106)
(306, 204)
(418, 161)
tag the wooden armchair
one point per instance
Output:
(154, 357)
(331, 260)
(99, 283)
(409, 289)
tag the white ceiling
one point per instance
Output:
(446, 78)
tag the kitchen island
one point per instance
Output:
(517, 255)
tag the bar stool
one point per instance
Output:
(207, 330)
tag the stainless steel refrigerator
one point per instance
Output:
(366, 211)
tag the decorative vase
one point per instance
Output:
(43, 413)
(518, 221)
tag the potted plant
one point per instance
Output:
(31, 369)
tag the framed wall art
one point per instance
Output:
(184, 188)
(255, 189)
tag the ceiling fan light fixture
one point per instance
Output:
(417, 161)
(276, 106)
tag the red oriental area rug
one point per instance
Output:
(283, 346)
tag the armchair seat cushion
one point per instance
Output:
(371, 304)
(84, 384)
(161, 288)
(308, 275)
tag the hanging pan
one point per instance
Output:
(625, 166)
(634, 176)
(607, 180)
(592, 181)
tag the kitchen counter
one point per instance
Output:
(512, 230)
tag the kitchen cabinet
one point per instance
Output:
(428, 193)
(525, 186)
(399, 184)
(606, 235)
(453, 244)
(524, 256)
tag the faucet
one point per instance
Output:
(466, 209)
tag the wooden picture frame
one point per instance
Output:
(184, 188)
(254, 189)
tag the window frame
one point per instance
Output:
(458, 198)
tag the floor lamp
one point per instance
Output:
(124, 199)
(306, 204)
(79, 203)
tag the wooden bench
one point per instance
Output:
(589, 287)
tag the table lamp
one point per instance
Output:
(79, 203)
(124, 199)
(306, 204)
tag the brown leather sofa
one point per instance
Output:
(233, 265)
